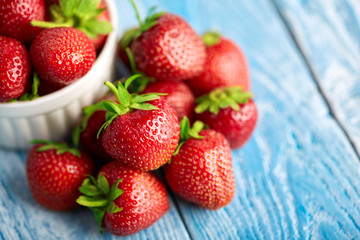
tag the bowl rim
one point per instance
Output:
(67, 94)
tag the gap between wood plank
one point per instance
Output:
(313, 75)
(174, 198)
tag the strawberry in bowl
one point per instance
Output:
(54, 114)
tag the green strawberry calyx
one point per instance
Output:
(127, 101)
(81, 15)
(88, 111)
(150, 21)
(60, 147)
(99, 197)
(139, 84)
(187, 132)
(211, 38)
(222, 98)
(30, 95)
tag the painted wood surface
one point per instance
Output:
(332, 51)
(297, 178)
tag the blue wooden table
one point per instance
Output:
(299, 175)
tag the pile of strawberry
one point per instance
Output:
(152, 121)
(48, 44)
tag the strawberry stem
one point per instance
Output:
(131, 58)
(133, 4)
(211, 38)
(132, 34)
(44, 24)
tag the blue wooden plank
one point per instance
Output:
(298, 177)
(328, 33)
(22, 218)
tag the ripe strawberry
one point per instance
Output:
(139, 134)
(166, 47)
(201, 170)
(62, 55)
(47, 88)
(85, 133)
(88, 16)
(55, 173)
(225, 66)
(15, 69)
(88, 138)
(15, 18)
(179, 96)
(134, 202)
(229, 111)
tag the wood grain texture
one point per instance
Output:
(22, 218)
(298, 177)
(328, 33)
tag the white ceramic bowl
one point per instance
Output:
(54, 115)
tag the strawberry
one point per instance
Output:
(230, 111)
(85, 133)
(88, 16)
(165, 47)
(124, 200)
(15, 68)
(201, 169)
(142, 131)
(225, 66)
(55, 172)
(62, 55)
(15, 18)
(47, 88)
(179, 96)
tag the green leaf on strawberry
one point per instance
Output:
(127, 101)
(78, 14)
(149, 22)
(221, 98)
(187, 132)
(99, 197)
(60, 147)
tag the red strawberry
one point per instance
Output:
(134, 202)
(139, 134)
(15, 18)
(229, 111)
(88, 16)
(179, 96)
(166, 48)
(47, 88)
(201, 171)
(15, 69)
(85, 133)
(62, 55)
(88, 138)
(225, 66)
(55, 172)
